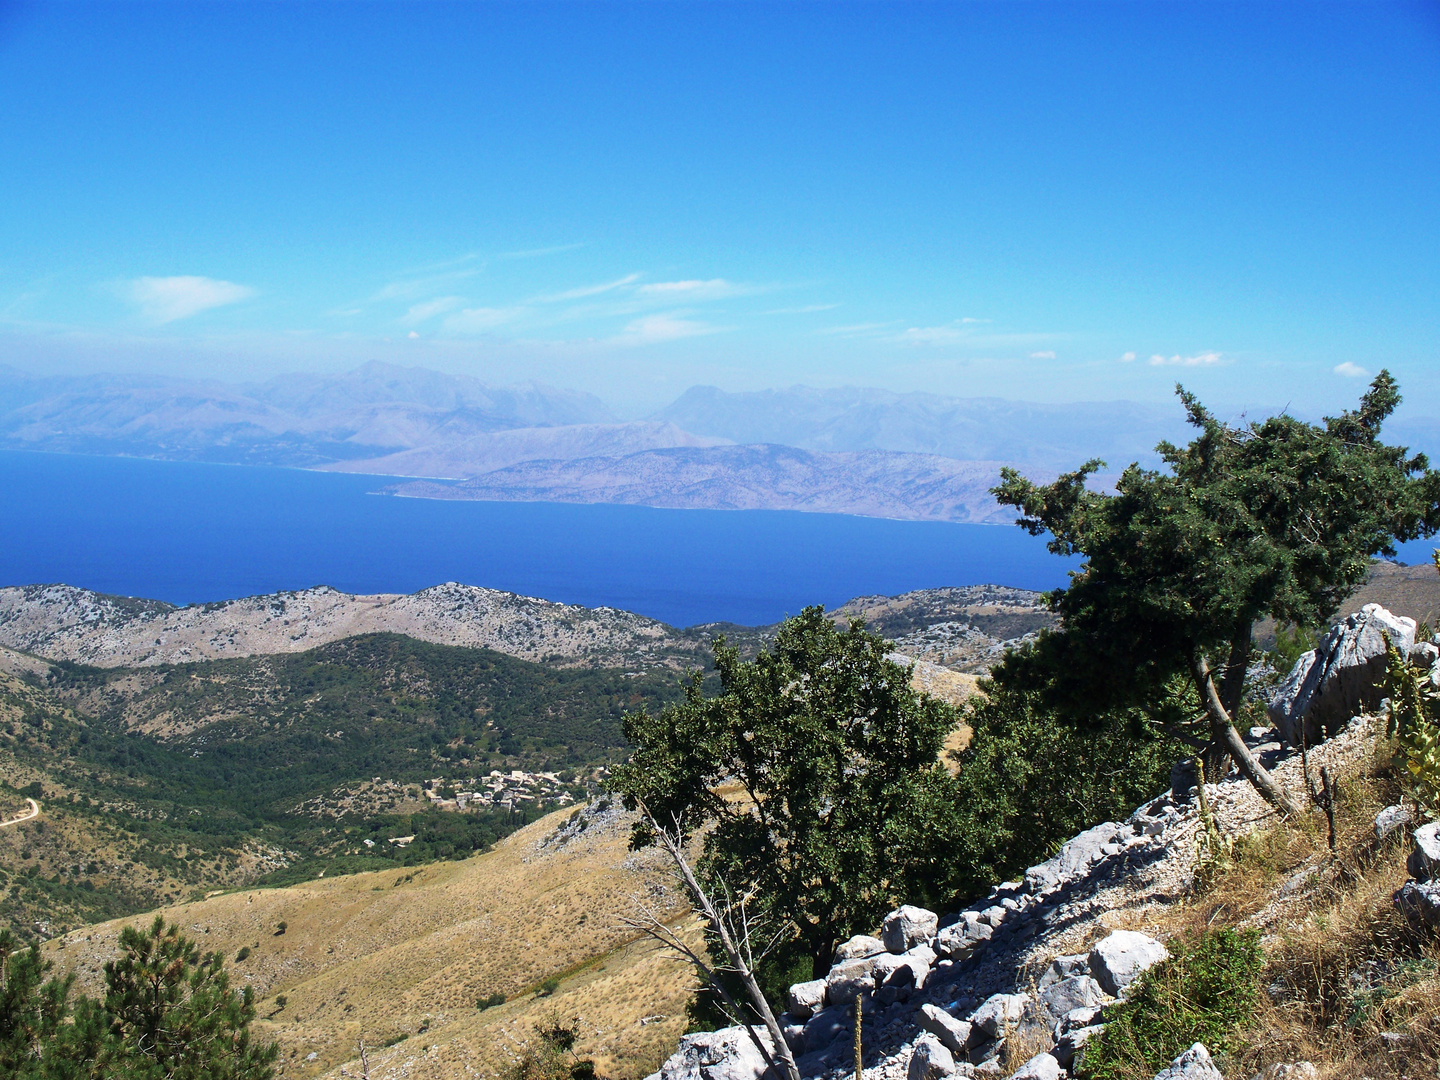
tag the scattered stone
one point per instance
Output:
(1074, 859)
(930, 1060)
(824, 1028)
(1300, 1070)
(859, 947)
(805, 999)
(1076, 992)
(1390, 819)
(1424, 861)
(907, 926)
(955, 1034)
(999, 1011)
(988, 1069)
(1341, 677)
(1193, 1064)
(1420, 901)
(1118, 960)
(994, 915)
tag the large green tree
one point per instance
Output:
(1278, 518)
(168, 1014)
(815, 775)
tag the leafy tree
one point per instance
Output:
(1278, 518)
(1028, 780)
(32, 1008)
(817, 767)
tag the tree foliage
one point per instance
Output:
(1277, 518)
(815, 775)
(168, 1012)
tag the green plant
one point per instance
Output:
(553, 1055)
(844, 807)
(281, 927)
(548, 987)
(491, 1001)
(1414, 703)
(1203, 993)
(1277, 519)
(243, 954)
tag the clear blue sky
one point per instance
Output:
(967, 199)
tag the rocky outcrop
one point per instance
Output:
(1341, 677)
(1193, 1064)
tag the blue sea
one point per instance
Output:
(190, 533)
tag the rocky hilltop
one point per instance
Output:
(61, 622)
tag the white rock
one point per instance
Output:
(994, 915)
(908, 926)
(1424, 861)
(998, 1012)
(727, 1054)
(1193, 1064)
(1074, 859)
(1118, 960)
(1340, 678)
(953, 1033)
(859, 947)
(930, 1060)
(905, 970)
(850, 979)
(805, 999)
(1039, 1067)
(959, 940)
(1076, 992)
(1390, 819)
(1420, 900)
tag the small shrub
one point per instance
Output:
(243, 954)
(280, 928)
(490, 1002)
(280, 1002)
(549, 986)
(554, 1058)
(1203, 993)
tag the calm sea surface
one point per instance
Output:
(188, 533)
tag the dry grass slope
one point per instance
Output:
(401, 957)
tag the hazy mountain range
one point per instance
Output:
(848, 450)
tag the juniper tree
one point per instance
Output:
(814, 774)
(1278, 518)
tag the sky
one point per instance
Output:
(1037, 201)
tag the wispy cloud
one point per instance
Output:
(650, 329)
(938, 335)
(480, 319)
(1046, 354)
(591, 290)
(1127, 358)
(1350, 371)
(806, 310)
(1205, 359)
(712, 289)
(167, 299)
(428, 309)
(413, 288)
(535, 253)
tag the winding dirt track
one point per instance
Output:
(29, 815)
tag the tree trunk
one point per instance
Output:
(1222, 731)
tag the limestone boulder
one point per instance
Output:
(1119, 959)
(1390, 819)
(930, 1060)
(1420, 902)
(825, 1027)
(805, 999)
(1076, 992)
(1040, 1067)
(1424, 861)
(1065, 967)
(849, 980)
(908, 926)
(1193, 1064)
(953, 1033)
(859, 947)
(959, 940)
(1073, 1042)
(998, 1012)
(727, 1054)
(1340, 678)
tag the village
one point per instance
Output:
(505, 790)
